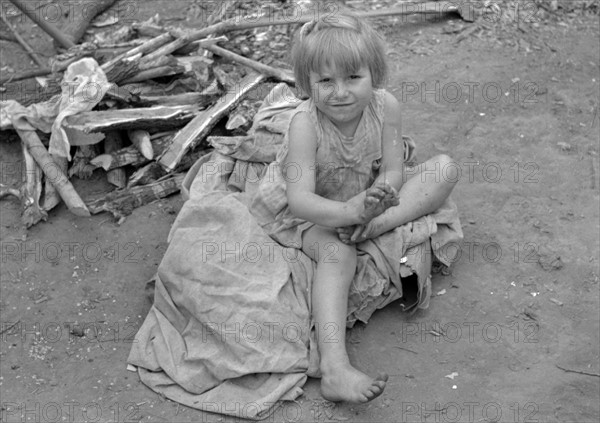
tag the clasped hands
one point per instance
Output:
(378, 198)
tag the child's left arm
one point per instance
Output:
(392, 155)
(391, 172)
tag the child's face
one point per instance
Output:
(342, 96)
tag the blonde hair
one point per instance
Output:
(343, 41)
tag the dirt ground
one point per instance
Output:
(512, 333)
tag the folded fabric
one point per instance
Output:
(230, 329)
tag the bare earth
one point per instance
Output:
(512, 334)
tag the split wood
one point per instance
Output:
(123, 201)
(137, 118)
(199, 127)
(53, 173)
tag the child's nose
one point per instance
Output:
(342, 89)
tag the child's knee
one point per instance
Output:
(449, 169)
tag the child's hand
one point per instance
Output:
(380, 197)
(356, 233)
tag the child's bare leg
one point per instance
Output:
(336, 265)
(420, 195)
(377, 200)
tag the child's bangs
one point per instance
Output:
(345, 51)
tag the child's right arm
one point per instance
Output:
(300, 174)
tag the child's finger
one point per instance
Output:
(344, 234)
(391, 191)
(392, 198)
(357, 233)
(370, 202)
(376, 192)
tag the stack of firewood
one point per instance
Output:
(166, 95)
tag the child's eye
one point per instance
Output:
(355, 76)
(325, 80)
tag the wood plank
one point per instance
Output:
(123, 201)
(166, 117)
(199, 127)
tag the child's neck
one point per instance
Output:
(347, 129)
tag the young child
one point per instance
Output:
(345, 180)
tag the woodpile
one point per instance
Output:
(161, 97)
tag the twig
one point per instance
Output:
(237, 25)
(49, 28)
(24, 44)
(156, 72)
(144, 48)
(282, 75)
(26, 75)
(578, 371)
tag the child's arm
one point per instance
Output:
(392, 161)
(392, 166)
(299, 172)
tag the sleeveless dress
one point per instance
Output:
(345, 166)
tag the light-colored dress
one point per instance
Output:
(230, 327)
(345, 166)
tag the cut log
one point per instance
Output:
(53, 173)
(130, 155)
(122, 202)
(141, 140)
(198, 128)
(31, 191)
(150, 117)
(114, 142)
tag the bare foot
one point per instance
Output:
(345, 233)
(345, 383)
(378, 199)
(359, 233)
